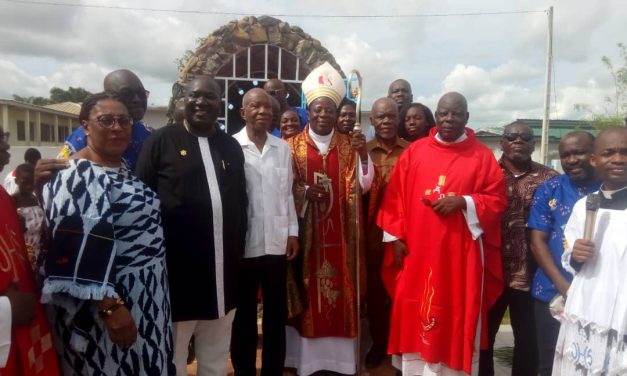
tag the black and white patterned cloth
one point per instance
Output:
(106, 241)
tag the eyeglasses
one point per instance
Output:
(5, 136)
(275, 93)
(130, 94)
(107, 121)
(511, 137)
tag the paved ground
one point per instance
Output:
(503, 339)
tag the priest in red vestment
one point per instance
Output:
(329, 178)
(26, 346)
(441, 214)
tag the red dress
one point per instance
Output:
(449, 280)
(32, 352)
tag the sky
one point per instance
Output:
(497, 61)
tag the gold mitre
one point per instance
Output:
(324, 81)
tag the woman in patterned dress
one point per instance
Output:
(104, 270)
(28, 210)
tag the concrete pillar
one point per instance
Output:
(55, 129)
(38, 128)
(6, 127)
(27, 126)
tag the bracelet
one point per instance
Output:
(107, 312)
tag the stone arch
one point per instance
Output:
(221, 48)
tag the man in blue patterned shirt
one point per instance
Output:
(130, 88)
(551, 208)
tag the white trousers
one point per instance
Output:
(211, 342)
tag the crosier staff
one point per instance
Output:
(354, 94)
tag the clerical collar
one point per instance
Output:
(609, 194)
(460, 139)
(322, 142)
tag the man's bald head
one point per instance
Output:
(118, 79)
(257, 110)
(128, 86)
(275, 88)
(454, 97)
(382, 102)
(581, 136)
(451, 116)
(517, 126)
(252, 93)
(384, 119)
(274, 84)
(400, 91)
(605, 137)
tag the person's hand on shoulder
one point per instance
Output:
(45, 168)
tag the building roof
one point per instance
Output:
(69, 107)
(28, 106)
(559, 128)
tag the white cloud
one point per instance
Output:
(496, 61)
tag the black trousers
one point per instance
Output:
(547, 331)
(377, 300)
(521, 313)
(269, 272)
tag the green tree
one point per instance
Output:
(615, 111)
(57, 95)
(72, 94)
(39, 101)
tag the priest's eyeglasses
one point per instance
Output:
(511, 137)
(108, 121)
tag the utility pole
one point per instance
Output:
(544, 147)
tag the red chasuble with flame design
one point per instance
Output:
(32, 352)
(449, 280)
(328, 238)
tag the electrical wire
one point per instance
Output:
(198, 11)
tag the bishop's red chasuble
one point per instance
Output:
(329, 234)
(32, 352)
(448, 280)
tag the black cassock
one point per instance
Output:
(202, 268)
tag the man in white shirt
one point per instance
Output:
(271, 240)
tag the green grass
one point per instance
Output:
(506, 318)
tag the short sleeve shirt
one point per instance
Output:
(550, 210)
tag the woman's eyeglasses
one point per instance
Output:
(511, 137)
(108, 121)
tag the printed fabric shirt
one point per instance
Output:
(515, 236)
(550, 210)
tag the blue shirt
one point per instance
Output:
(550, 210)
(302, 118)
(77, 141)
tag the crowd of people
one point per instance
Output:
(135, 247)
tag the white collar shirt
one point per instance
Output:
(271, 212)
